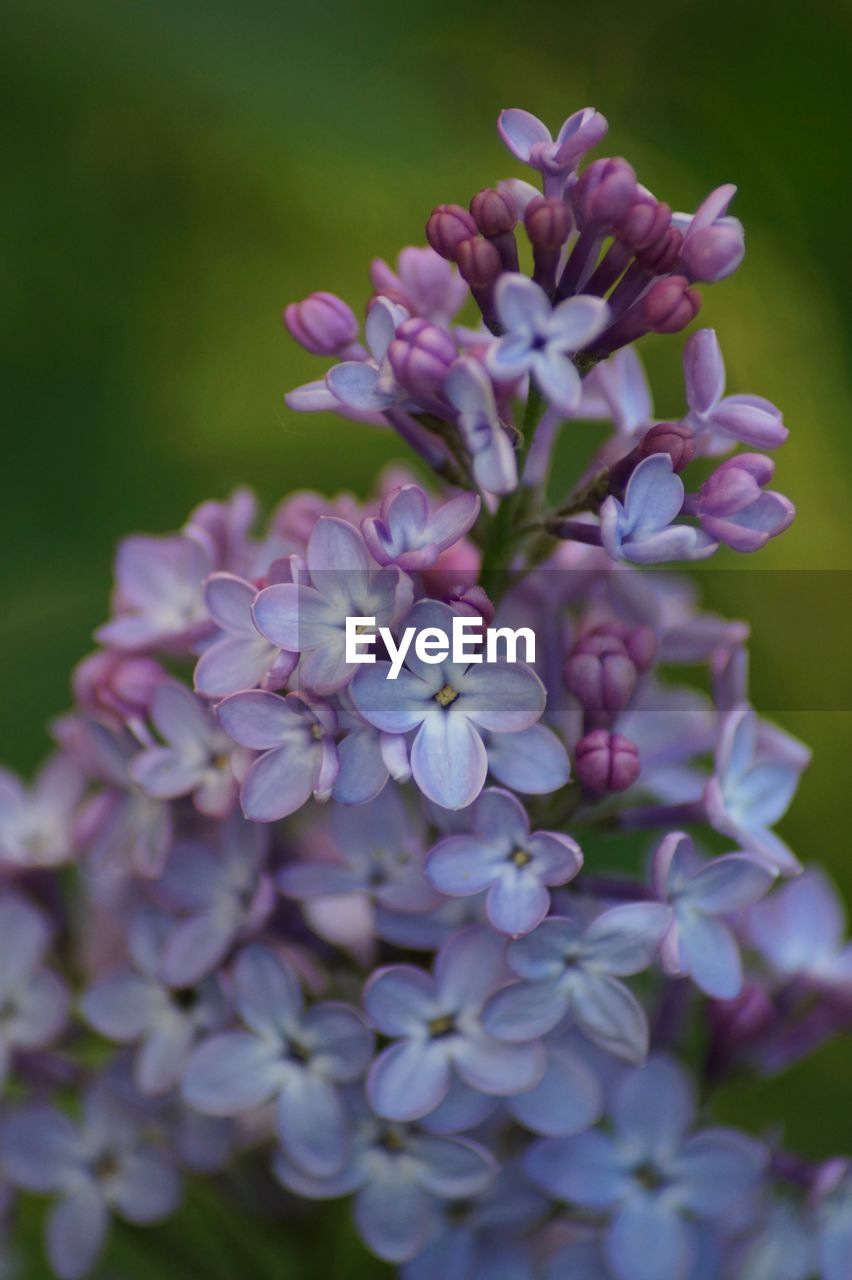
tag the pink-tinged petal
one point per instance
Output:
(278, 784)
(179, 716)
(521, 131)
(232, 1072)
(749, 423)
(229, 600)
(232, 665)
(498, 1068)
(409, 1079)
(164, 773)
(704, 371)
(259, 720)
(152, 570)
(503, 697)
(517, 902)
(713, 206)
(452, 519)
(400, 999)
(448, 760)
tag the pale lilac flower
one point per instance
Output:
(398, 1176)
(617, 389)
(138, 1006)
(296, 1056)
(435, 1023)
(448, 704)
(240, 657)
(800, 931)
(567, 968)
(224, 528)
(734, 507)
(159, 594)
(532, 142)
(833, 1212)
(37, 822)
(651, 1175)
(367, 757)
(296, 738)
(219, 896)
(33, 999)
(117, 686)
(641, 529)
(379, 853)
(502, 856)
(424, 283)
(750, 790)
(311, 620)
(721, 421)
(410, 535)
(570, 1095)
(783, 1247)
(470, 391)
(369, 385)
(713, 241)
(540, 339)
(197, 759)
(700, 891)
(533, 761)
(100, 1166)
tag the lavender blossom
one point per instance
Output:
(197, 759)
(36, 823)
(531, 141)
(411, 536)
(240, 658)
(469, 389)
(734, 507)
(33, 999)
(159, 596)
(720, 421)
(642, 529)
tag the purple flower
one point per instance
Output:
(294, 1055)
(540, 339)
(435, 1023)
(732, 507)
(399, 1176)
(570, 1095)
(159, 594)
(750, 790)
(533, 761)
(617, 389)
(532, 142)
(219, 896)
(713, 242)
(698, 942)
(312, 619)
(103, 1165)
(137, 1006)
(651, 1175)
(567, 968)
(718, 420)
(241, 658)
(800, 930)
(296, 737)
(501, 855)
(406, 533)
(37, 823)
(33, 999)
(448, 704)
(368, 386)
(424, 283)
(470, 391)
(640, 529)
(381, 856)
(324, 325)
(197, 759)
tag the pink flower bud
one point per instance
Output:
(322, 323)
(606, 761)
(448, 225)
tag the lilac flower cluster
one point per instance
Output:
(359, 932)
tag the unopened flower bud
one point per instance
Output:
(548, 223)
(493, 212)
(322, 323)
(118, 684)
(670, 305)
(660, 257)
(600, 674)
(644, 223)
(673, 438)
(744, 1019)
(606, 761)
(420, 355)
(448, 226)
(714, 252)
(604, 192)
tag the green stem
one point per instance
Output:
(502, 535)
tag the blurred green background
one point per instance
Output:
(177, 170)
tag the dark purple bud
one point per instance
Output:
(548, 222)
(493, 212)
(660, 257)
(744, 1019)
(644, 223)
(735, 485)
(600, 673)
(322, 323)
(116, 683)
(448, 226)
(673, 438)
(606, 761)
(714, 252)
(670, 305)
(420, 355)
(603, 193)
(478, 262)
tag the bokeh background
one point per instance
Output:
(176, 170)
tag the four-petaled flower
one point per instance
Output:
(197, 759)
(719, 421)
(640, 528)
(406, 533)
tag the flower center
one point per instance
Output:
(317, 731)
(442, 1026)
(520, 858)
(446, 696)
(649, 1176)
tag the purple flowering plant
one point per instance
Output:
(350, 928)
